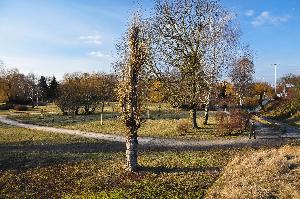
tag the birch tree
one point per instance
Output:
(188, 38)
(223, 40)
(242, 73)
(133, 53)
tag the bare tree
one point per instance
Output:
(223, 40)
(70, 95)
(188, 38)
(132, 59)
(242, 72)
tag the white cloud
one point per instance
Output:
(94, 39)
(98, 54)
(249, 13)
(265, 18)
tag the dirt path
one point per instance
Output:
(265, 137)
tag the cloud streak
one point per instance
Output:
(92, 39)
(249, 13)
(99, 54)
(265, 18)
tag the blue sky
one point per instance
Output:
(52, 37)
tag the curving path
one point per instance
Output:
(265, 137)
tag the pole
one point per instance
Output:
(275, 78)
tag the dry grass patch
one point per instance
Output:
(271, 173)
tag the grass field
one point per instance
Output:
(162, 123)
(38, 164)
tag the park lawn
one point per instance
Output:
(36, 164)
(164, 124)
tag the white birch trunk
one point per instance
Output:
(241, 100)
(131, 154)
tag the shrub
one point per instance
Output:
(251, 102)
(232, 123)
(6, 106)
(22, 108)
(41, 103)
(182, 127)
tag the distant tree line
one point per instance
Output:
(85, 91)
(77, 91)
(18, 88)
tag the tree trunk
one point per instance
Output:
(241, 101)
(193, 116)
(87, 110)
(76, 111)
(131, 153)
(102, 107)
(261, 96)
(159, 110)
(205, 122)
(73, 116)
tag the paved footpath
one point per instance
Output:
(265, 137)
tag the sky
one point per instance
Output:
(54, 37)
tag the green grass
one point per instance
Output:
(35, 164)
(161, 123)
(46, 165)
(164, 127)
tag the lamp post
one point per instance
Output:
(275, 77)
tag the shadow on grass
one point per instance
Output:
(64, 148)
(161, 169)
(26, 155)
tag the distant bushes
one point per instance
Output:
(6, 106)
(232, 123)
(22, 108)
(15, 107)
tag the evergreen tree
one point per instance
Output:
(53, 89)
(43, 88)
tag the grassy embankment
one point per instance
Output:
(283, 112)
(273, 173)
